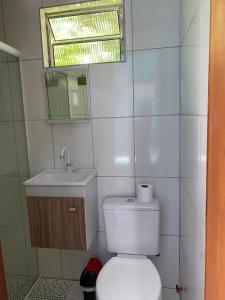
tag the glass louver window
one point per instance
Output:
(83, 33)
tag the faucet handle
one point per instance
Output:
(75, 167)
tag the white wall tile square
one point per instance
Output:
(167, 263)
(14, 250)
(73, 262)
(49, 263)
(10, 204)
(166, 190)
(35, 103)
(155, 23)
(22, 26)
(8, 160)
(112, 89)
(113, 186)
(78, 139)
(114, 146)
(156, 82)
(157, 146)
(40, 148)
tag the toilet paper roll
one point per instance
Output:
(145, 192)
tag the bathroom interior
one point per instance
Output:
(118, 102)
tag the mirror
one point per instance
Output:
(67, 95)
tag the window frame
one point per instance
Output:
(71, 9)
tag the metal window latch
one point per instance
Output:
(72, 210)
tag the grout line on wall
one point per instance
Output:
(156, 48)
(127, 176)
(161, 235)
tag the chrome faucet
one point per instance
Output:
(69, 165)
(62, 154)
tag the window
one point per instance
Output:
(83, 33)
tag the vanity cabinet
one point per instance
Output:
(63, 209)
(57, 222)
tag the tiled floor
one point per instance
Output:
(50, 289)
(19, 286)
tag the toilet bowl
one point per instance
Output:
(131, 227)
(132, 277)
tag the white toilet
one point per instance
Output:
(132, 231)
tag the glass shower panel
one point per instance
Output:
(20, 260)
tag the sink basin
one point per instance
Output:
(60, 183)
(61, 177)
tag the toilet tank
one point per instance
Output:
(131, 226)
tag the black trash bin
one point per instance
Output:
(89, 277)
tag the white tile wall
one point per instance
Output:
(156, 82)
(117, 137)
(104, 78)
(167, 191)
(14, 257)
(34, 94)
(155, 23)
(78, 139)
(8, 160)
(6, 109)
(40, 146)
(49, 262)
(114, 146)
(167, 263)
(10, 208)
(157, 146)
(193, 144)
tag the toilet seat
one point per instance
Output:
(130, 277)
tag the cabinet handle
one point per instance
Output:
(72, 209)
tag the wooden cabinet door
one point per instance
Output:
(57, 222)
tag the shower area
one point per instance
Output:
(19, 258)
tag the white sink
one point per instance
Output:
(61, 177)
(59, 182)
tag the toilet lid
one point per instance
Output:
(129, 277)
